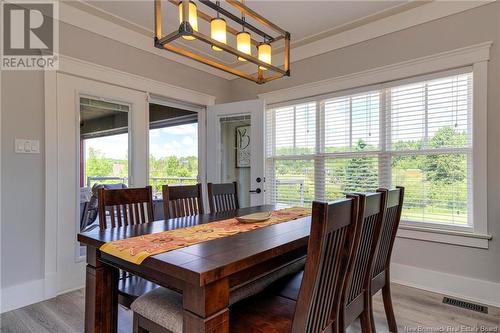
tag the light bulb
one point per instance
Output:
(193, 18)
(218, 32)
(264, 51)
(243, 44)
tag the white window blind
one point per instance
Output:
(415, 133)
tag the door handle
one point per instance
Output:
(257, 190)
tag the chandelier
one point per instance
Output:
(253, 44)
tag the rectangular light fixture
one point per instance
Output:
(189, 13)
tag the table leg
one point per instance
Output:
(206, 308)
(101, 295)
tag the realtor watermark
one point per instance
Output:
(30, 35)
(451, 329)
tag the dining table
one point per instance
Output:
(204, 273)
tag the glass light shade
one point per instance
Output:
(243, 44)
(264, 50)
(193, 18)
(218, 31)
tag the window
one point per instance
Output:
(173, 147)
(103, 142)
(414, 133)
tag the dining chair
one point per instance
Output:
(182, 200)
(356, 296)
(223, 197)
(330, 244)
(125, 207)
(381, 270)
(356, 299)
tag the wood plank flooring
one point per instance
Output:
(416, 311)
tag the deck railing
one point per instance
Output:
(155, 182)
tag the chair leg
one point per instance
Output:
(340, 322)
(366, 326)
(372, 320)
(389, 311)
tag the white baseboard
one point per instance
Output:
(31, 292)
(474, 290)
(23, 294)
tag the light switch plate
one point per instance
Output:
(26, 146)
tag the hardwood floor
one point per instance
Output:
(416, 311)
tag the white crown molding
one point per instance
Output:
(425, 13)
(83, 20)
(437, 62)
(96, 72)
(412, 17)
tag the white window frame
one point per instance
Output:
(475, 57)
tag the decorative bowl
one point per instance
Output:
(254, 218)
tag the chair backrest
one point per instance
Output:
(183, 200)
(331, 241)
(223, 197)
(91, 208)
(125, 206)
(371, 214)
(389, 228)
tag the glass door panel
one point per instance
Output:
(104, 151)
(173, 147)
(235, 154)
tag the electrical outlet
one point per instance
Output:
(25, 146)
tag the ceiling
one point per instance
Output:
(305, 20)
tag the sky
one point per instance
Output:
(177, 141)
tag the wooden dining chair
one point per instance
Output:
(182, 200)
(223, 197)
(125, 207)
(356, 296)
(330, 246)
(381, 269)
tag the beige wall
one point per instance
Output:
(22, 116)
(468, 28)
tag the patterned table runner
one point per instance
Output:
(137, 249)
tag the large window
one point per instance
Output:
(415, 133)
(173, 147)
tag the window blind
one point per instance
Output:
(415, 133)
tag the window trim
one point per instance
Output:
(475, 57)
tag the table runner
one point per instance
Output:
(137, 249)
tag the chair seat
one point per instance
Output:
(164, 306)
(132, 287)
(288, 286)
(263, 313)
(256, 286)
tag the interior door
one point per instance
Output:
(235, 148)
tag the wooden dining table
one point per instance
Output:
(204, 273)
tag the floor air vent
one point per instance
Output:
(465, 305)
